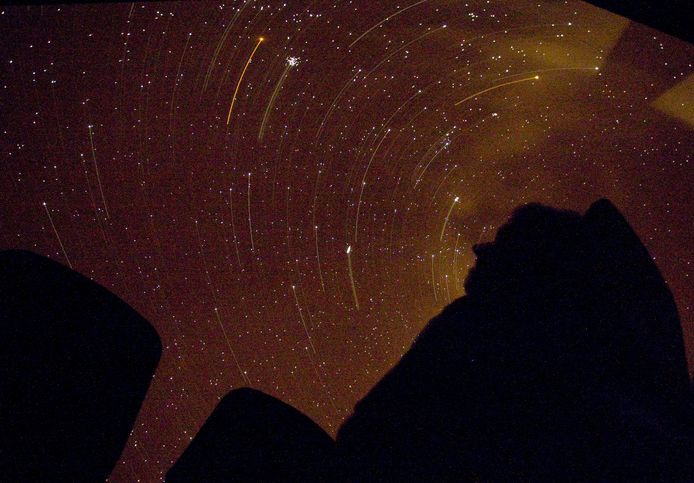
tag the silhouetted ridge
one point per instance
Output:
(564, 361)
(253, 437)
(75, 364)
(635, 294)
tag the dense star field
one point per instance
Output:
(289, 191)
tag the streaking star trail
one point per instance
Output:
(351, 276)
(243, 73)
(477, 94)
(62, 247)
(300, 243)
(291, 62)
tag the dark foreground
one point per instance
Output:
(564, 361)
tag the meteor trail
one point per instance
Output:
(243, 72)
(433, 279)
(303, 321)
(96, 167)
(554, 69)
(320, 272)
(445, 222)
(233, 354)
(56, 234)
(455, 261)
(291, 62)
(535, 77)
(91, 197)
(315, 229)
(250, 227)
(351, 276)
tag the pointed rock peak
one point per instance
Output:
(251, 436)
(603, 205)
(584, 380)
(607, 221)
(635, 300)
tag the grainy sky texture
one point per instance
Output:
(299, 241)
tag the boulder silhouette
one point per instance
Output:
(75, 364)
(563, 362)
(253, 437)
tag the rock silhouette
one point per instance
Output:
(75, 364)
(564, 362)
(253, 437)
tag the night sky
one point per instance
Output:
(299, 241)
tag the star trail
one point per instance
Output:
(289, 191)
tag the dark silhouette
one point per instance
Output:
(254, 437)
(669, 17)
(564, 361)
(75, 364)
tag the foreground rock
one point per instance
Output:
(254, 437)
(75, 364)
(564, 362)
